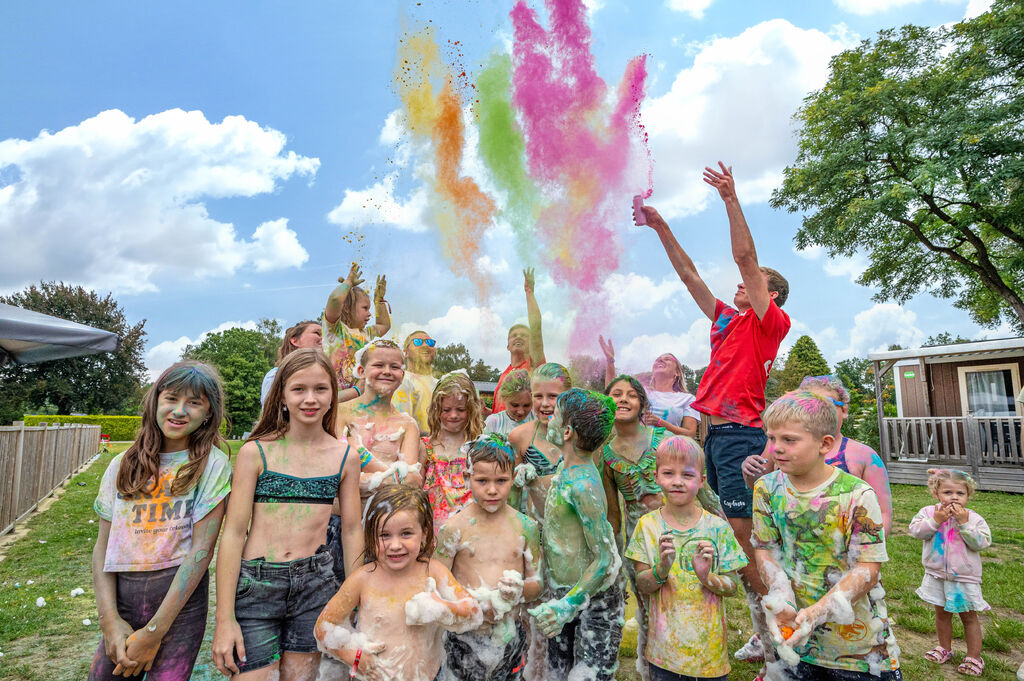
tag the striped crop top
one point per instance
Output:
(280, 488)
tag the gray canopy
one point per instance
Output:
(27, 336)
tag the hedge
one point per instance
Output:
(117, 427)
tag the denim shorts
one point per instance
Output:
(726, 446)
(277, 605)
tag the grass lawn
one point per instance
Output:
(51, 643)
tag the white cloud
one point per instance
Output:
(166, 353)
(695, 8)
(114, 203)
(850, 267)
(735, 104)
(866, 7)
(480, 329)
(378, 204)
(976, 7)
(630, 294)
(487, 264)
(879, 327)
(692, 347)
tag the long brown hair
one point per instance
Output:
(348, 305)
(274, 419)
(456, 383)
(287, 346)
(140, 464)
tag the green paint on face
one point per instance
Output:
(503, 150)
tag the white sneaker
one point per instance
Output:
(752, 651)
(1020, 672)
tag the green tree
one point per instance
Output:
(105, 383)
(242, 357)
(913, 152)
(455, 356)
(587, 371)
(946, 338)
(804, 359)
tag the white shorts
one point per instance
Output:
(952, 596)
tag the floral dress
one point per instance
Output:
(446, 482)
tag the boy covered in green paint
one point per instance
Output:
(494, 551)
(583, 616)
(819, 543)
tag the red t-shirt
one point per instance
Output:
(743, 348)
(499, 404)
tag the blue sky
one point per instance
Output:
(208, 163)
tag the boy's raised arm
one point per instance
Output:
(743, 251)
(534, 318)
(682, 263)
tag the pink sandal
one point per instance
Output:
(939, 655)
(971, 666)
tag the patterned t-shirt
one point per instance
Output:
(820, 534)
(686, 630)
(340, 344)
(153, 531)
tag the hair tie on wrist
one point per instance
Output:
(359, 393)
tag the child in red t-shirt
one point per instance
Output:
(745, 339)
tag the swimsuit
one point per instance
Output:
(273, 487)
(536, 458)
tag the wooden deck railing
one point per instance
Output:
(989, 446)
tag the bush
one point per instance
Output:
(117, 427)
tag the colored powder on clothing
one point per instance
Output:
(503, 150)
(578, 150)
(461, 210)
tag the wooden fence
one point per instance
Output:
(35, 460)
(989, 447)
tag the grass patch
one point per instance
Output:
(51, 643)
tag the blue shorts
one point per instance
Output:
(277, 605)
(725, 447)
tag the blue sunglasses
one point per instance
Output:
(420, 341)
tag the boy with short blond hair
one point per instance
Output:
(686, 561)
(494, 551)
(819, 543)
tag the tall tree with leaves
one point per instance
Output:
(455, 356)
(913, 152)
(242, 357)
(804, 359)
(105, 383)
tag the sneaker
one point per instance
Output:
(752, 651)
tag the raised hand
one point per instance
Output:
(722, 181)
(354, 278)
(528, 279)
(607, 348)
(653, 219)
(381, 289)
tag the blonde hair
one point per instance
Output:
(451, 385)
(348, 305)
(679, 448)
(810, 410)
(937, 476)
(362, 355)
(516, 382)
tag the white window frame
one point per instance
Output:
(962, 371)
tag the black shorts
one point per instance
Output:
(472, 656)
(813, 672)
(726, 446)
(592, 638)
(659, 674)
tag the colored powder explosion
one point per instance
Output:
(554, 143)
(578, 148)
(461, 210)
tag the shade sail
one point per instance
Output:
(27, 336)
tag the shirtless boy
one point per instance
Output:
(583, 616)
(494, 551)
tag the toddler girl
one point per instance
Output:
(405, 598)
(953, 535)
(454, 420)
(160, 505)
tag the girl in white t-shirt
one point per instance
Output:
(160, 504)
(671, 405)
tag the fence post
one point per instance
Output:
(973, 436)
(19, 457)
